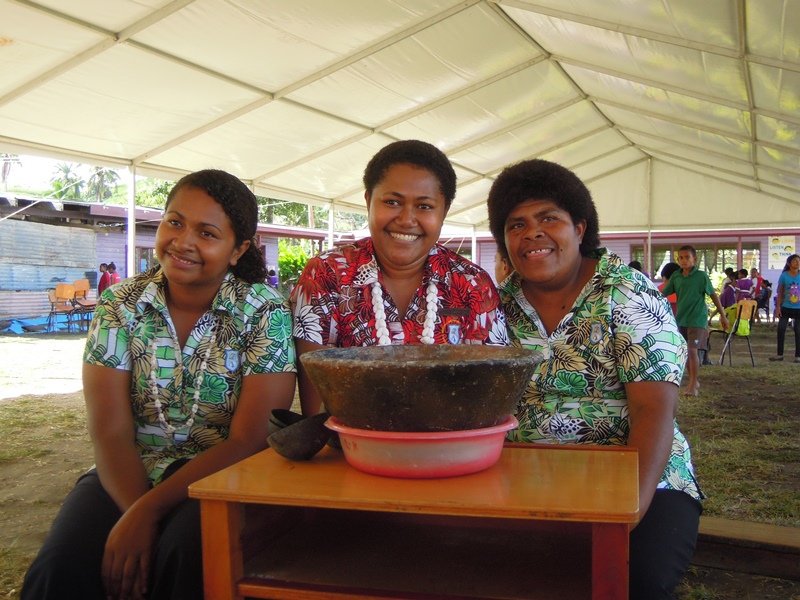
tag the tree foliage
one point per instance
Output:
(152, 192)
(292, 259)
(296, 214)
(102, 183)
(9, 161)
(66, 182)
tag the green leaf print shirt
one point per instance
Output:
(621, 329)
(253, 334)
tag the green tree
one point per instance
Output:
(102, 183)
(153, 192)
(292, 259)
(9, 160)
(66, 183)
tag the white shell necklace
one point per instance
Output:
(431, 308)
(169, 428)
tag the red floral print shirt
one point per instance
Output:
(332, 301)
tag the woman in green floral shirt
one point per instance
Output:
(612, 356)
(182, 367)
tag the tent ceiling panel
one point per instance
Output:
(616, 91)
(274, 31)
(776, 90)
(513, 98)
(714, 22)
(779, 159)
(621, 198)
(294, 96)
(593, 147)
(640, 58)
(531, 138)
(779, 132)
(293, 134)
(622, 158)
(700, 200)
(468, 47)
(773, 29)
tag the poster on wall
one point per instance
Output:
(780, 248)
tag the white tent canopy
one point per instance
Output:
(679, 114)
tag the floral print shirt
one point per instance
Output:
(252, 332)
(621, 329)
(332, 302)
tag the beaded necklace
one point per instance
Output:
(168, 427)
(431, 308)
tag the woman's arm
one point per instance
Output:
(310, 401)
(111, 427)
(779, 300)
(260, 394)
(126, 562)
(652, 406)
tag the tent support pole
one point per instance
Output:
(330, 224)
(648, 257)
(475, 257)
(131, 258)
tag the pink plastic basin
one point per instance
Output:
(422, 455)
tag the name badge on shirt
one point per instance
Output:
(596, 334)
(454, 333)
(231, 360)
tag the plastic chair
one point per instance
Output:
(83, 307)
(61, 303)
(745, 314)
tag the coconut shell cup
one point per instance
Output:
(420, 388)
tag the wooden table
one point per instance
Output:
(544, 522)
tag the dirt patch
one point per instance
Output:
(32, 488)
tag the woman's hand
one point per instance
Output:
(126, 560)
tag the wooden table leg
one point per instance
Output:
(610, 545)
(222, 549)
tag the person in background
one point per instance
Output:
(113, 276)
(105, 278)
(727, 295)
(272, 278)
(667, 272)
(502, 268)
(635, 264)
(103, 268)
(182, 367)
(692, 286)
(744, 286)
(398, 286)
(755, 291)
(613, 357)
(788, 306)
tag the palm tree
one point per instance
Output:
(67, 183)
(102, 183)
(8, 160)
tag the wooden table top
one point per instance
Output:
(575, 483)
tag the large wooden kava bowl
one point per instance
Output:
(420, 388)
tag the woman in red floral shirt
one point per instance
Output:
(399, 286)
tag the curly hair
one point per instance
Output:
(542, 180)
(417, 153)
(240, 204)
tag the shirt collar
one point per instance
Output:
(154, 294)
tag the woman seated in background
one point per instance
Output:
(398, 286)
(182, 367)
(613, 356)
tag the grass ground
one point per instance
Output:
(742, 427)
